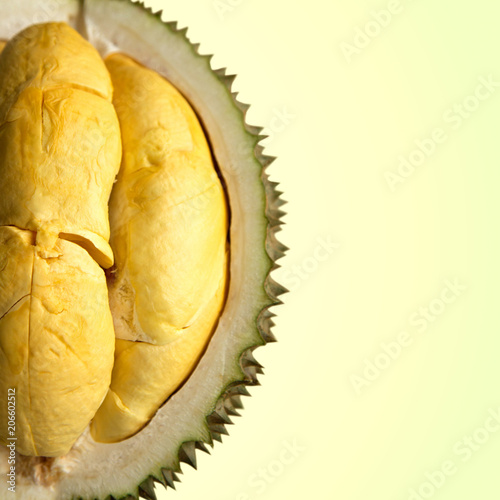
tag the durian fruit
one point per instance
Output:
(198, 411)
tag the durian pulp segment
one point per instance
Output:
(59, 151)
(56, 342)
(167, 210)
(55, 93)
(169, 234)
(145, 375)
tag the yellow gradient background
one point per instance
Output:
(370, 268)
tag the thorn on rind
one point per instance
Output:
(228, 80)
(183, 32)
(248, 361)
(279, 202)
(169, 477)
(200, 445)
(216, 436)
(150, 10)
(147, 489)
(279, 213)
(254, 130)
(236, 401)
(209, 439)
(242, 389)
(218, 430)
(232, 403)
(266, 160)
(274, 217)
(231, 410)
(276, 289)
(275, 249)
(161, 480)
(220, 71)
(266, 334)
(267, 315)
(252, 373)
(221, 416)
(218, 418)
(208, 57)
(241, 106)
(187, 453)
(172, 25)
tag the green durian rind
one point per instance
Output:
(242, 371)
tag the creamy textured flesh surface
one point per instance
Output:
(56, 342)
(59, 154)
(169, 234)
(59, 138)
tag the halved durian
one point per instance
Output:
(198, 411)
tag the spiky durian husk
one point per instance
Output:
(228, 403)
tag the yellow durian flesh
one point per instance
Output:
(59, 138)
(169, 227)
(145, 375)
(168, 211)
(51, 55)
(56, 341)
(60, 150)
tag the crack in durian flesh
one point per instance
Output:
(59, 153)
